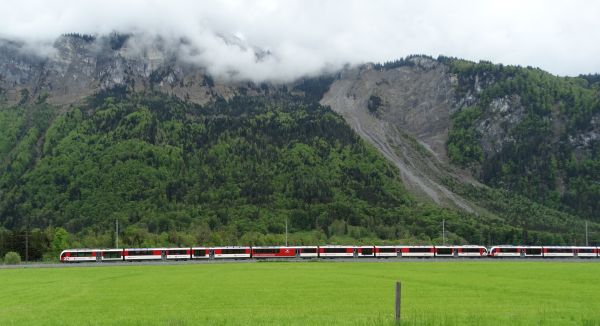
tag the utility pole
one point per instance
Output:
(444, 231)
(286, 232)
(116, 233)
(586, 234)
(27, 245)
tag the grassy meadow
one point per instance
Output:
(313, 293)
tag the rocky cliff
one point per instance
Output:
(75, 67)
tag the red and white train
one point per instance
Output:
(544, 251)
(329, 251)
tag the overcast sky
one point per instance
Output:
(305, 37)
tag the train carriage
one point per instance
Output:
(365, 251)
(533, 252)
(586, 252)
(178, 253)
(308, 251)
(445, 251)
(200, 253)
(417, 251)
(230, 252)
(336, 251)
(80, 255)
(505, 251)
(471, 251)
(144, 254)
(111, 254)
(387, 251)
(274, 252)
(558, 251)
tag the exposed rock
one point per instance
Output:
(411, 128)
(494, 125)
(78, 67)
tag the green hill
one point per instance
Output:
(229, 172)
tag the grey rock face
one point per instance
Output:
(411, 127)
(78, 67)
(494, 125)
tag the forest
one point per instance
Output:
(551, 155)
(230, 172)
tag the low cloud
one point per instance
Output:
(284, 40)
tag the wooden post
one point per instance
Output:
(398, 301)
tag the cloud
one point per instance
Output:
(283, 40)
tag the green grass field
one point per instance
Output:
(323, 293)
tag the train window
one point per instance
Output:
(586, 251)
(444, 251)
(334, 250)
(267, 251)
(419, 250)
(508, 250)
(471, 250)
(560, 250)
(81, 254)
(387, 250)
(177, 252)
(112, 254)
(367, 251)
(533, 251)
(141, 253)
(309, 250)
(201, 253)
(233, 251)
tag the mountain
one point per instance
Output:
(99, 129)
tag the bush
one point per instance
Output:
(374, 103)
(12, 258)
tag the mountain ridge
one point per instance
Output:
(441, 122)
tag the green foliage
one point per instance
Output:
(314, 88)
(230, 172)
(59, 241)
(374, 103)
(549, 154)
(12, 258)
(463, 138)
(175, 173)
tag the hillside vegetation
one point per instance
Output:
(232, 172)
(531, 133)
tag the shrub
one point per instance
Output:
(374, 103)
(12, 258)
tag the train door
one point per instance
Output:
(355, 252)
(163, 255)
(455, 252)
(398, 252)
(98, 256)
(211, 254)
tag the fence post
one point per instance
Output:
(398, 301)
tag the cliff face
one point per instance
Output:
(408, 124)
(76, 67)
